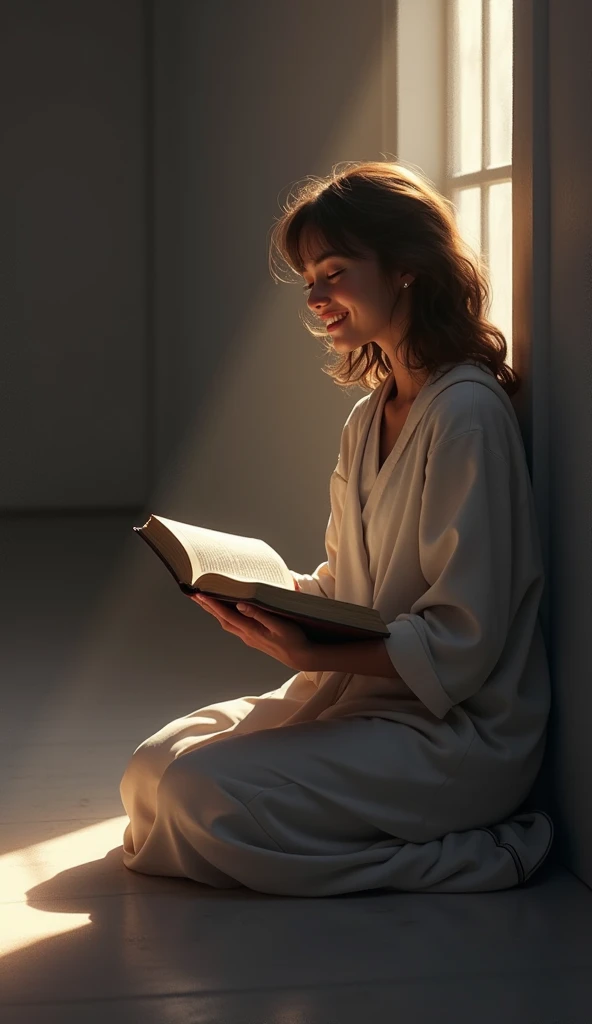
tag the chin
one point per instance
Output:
(347, 340)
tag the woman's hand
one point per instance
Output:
(272, 634)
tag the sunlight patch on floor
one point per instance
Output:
(21, 925)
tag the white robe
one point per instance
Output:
(374, 786)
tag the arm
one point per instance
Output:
(365, 658)
(451, 639)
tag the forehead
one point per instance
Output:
(313, 249)
(319, 257)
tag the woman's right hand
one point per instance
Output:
(296, 583)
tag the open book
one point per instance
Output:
(230, 568)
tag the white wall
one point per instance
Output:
(421, 98)
(73, 357)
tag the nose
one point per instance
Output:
(315, 300)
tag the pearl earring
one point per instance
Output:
(406, 285)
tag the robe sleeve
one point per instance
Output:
(449, 643)
(321, 582)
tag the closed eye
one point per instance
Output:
(307, 287)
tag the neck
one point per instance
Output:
(408, 397)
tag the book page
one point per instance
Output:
(242, 558)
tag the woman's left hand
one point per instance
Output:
(272, 634)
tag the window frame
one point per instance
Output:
(486, 176)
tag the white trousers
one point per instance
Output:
(227, 797)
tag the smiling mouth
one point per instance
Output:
(336, 323)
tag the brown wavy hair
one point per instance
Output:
(400, 216)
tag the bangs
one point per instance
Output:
(314, 228)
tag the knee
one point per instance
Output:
(146, 765)
(186, 786)
(179, 771)
(197, 773)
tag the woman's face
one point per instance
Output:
(356, 286)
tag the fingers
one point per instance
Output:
(219, 610)
(208, 604)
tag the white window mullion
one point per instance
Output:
(485, 40)
(485, 222)
(491, 174)
(485, 147)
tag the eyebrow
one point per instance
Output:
(325, 256)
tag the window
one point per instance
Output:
(479, 140)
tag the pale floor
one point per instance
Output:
(98, 650)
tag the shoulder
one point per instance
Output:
(350, 434)
(471, 407)
(356, 417)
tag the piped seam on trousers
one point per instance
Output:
(520, 872)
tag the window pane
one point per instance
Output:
(500, 258)
(467, 94)
(500, 83)
(468, 216)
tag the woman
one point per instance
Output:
(402, 763)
